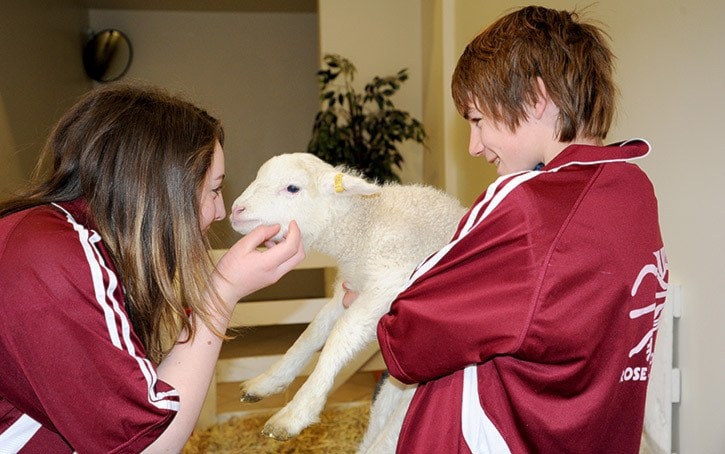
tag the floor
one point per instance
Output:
(276, 340)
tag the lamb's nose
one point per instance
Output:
(237, 211)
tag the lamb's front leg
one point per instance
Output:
(281, 373)
(353, 331)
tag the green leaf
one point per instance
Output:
(361, 130)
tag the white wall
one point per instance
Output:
(380, 37)
(672, 67)
(254, 71)
(11, 174)
(42, 73)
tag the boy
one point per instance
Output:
(533, 330)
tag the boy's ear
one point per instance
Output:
(542, 99)
(346, 184)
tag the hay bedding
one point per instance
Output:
(339, 431)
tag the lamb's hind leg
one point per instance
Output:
(386, 417)
(281, 373)
(353, 331)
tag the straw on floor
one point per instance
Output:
(339, 431)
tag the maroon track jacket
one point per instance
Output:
(73, 374)
(534, 329)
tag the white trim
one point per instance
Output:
(480, 434)
(606, 161)
(18, 434)
(491, 196)
(112, 312)
(495, 197)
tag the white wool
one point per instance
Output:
(377, 234)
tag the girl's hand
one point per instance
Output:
(245, 268)
(188, 367)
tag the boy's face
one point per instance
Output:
(510, 151)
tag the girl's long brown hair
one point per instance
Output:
(139, 157)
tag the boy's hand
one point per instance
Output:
(349, 296)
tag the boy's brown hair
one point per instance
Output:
(499, 68)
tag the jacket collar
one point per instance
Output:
(80, 211)
(591, 154)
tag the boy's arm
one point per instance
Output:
(473, 304)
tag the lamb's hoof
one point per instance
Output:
(277, 433)
(249, 398)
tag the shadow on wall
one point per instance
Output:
(11, 175)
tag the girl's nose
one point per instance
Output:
(221, 212)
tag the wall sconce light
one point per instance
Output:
(107, 55)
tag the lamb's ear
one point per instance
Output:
(346, 184)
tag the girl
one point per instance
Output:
(101, 261)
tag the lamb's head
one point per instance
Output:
(300, 187)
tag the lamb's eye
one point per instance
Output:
(293, 189)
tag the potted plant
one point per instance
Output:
(361, 130)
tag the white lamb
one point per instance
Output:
(377, 234)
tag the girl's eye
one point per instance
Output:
(293, 189)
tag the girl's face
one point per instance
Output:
(211, 200)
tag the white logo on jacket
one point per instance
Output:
(658, 270)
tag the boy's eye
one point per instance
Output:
(293, 189)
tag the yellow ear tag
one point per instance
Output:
(338, 183)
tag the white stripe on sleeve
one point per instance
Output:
(18, 434)
(120, 335)
(479, 432)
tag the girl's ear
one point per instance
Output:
(346, 184)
